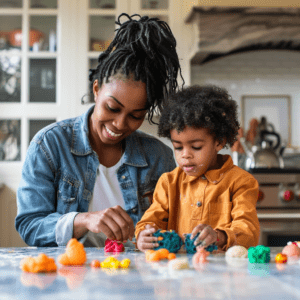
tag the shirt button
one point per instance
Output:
(123, 177)
(203, 177)
(134, 210)
(199, 203)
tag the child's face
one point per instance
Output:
(195, 150)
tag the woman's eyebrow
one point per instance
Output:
(141, 109)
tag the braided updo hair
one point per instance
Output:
(143, 49)
(197, 106)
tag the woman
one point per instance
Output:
(95, 174)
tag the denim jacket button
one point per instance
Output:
(123, 177)
(199, 203)
(134, 210)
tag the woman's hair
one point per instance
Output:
(201, 107)
(145, 49)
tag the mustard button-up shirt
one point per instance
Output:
(224, 198)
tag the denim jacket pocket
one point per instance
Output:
(67, 195)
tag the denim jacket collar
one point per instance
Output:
(133, 155)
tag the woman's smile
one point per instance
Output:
(112, 134)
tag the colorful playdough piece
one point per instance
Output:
(200, 256)
(39, 264)
(291, 250)
(237, 251)
(113, 246)
(259, 254)
(178, 264)
(156, 255)
(191, 248)
(281, 258)
(169, 240)
(112, 263)
(295, 242)
(74, 255)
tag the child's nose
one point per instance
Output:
(186, 153)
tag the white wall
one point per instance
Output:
(257, 73)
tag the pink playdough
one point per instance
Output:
(113, 246)
(291, 250)
(200, 256)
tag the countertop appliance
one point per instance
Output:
(278, 205)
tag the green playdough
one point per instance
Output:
(259, 254)
(171, 240)
(191, 248)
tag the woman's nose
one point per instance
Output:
(120, 122)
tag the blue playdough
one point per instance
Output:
(191, 248)
(171, 240)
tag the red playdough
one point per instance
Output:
(291, 250)
(113, 246)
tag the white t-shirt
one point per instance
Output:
(107, 193)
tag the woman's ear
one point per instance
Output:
(95, 89)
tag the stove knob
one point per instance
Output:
(287, 195)
(261, 196)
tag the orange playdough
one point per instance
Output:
(74, 255)
(40, 264)
(291, 250)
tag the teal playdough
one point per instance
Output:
(259, 254)
(171, 240)
(191, 248)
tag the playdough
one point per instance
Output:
(237, 251)
(259, 254)
(40, 264)
(178, 264)
(156, 255)
(200, 256)
(169, 240)
(191, 248)
(113, 246)
(281, 258)
(112, 263)
(291, 250)
(74, 255)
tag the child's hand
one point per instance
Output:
(206, 237)
(145, 239)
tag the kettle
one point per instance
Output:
(265, 155)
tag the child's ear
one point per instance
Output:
(220, 145)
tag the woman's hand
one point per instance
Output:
(114, 222)
(208, 236)
(146, 240)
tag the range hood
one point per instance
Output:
(221, 31)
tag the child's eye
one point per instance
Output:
(177, 148)
(197, 148)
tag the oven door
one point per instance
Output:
(277, 229)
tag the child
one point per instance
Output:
(206, 193)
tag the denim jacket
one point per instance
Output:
(59, 174)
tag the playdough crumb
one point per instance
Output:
(39, 264)
(74, 255)
(237, 251)
(200, 256)
(95, 263)
(281, 258)
(178, 264)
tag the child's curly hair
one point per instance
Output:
(201, 107)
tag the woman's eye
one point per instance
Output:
(112, 109)
(136, 118)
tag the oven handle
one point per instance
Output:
(279, 216)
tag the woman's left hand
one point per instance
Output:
(206, 237)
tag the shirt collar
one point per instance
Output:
(213, 176)
(134, 154)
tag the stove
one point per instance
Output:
(278, 205)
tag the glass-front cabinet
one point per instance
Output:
(46, 50)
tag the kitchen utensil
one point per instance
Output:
(265, 155)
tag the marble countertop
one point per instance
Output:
(217, 279)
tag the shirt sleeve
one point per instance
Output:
(157, 214)
(244, 229)
(37, 221)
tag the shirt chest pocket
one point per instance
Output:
(67, 195)
(219, 214)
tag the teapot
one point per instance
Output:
(264, 155)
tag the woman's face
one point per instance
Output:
(120, 110)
